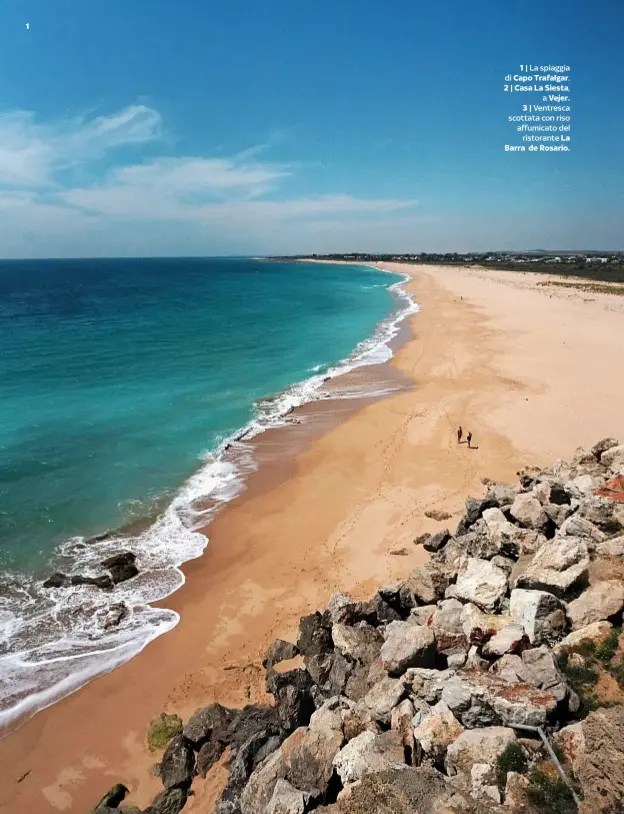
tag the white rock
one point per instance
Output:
(481, 583)
(368, 753)
(576, 526)
(504, 641)
(286, 799)
(540, 613)
(478, 625)
(557, 566)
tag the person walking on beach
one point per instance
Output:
(460, 433)
(469, 439)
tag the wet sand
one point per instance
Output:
(529, 369)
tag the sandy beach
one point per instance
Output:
(529, 367)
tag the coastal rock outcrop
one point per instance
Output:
(425, 698)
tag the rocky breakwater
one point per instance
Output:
(433, 695)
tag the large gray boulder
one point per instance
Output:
(528, 511)
(280, 650)
(557, 566)
(436, 731)
(426, 685)
(601, 512)
(477, 746)
(540, 670)
(425, 585)
(286, 799)
(481, 583)
(383, 697)
(448, 629)
(599, 602)
(540, 613)
(407, 645)
(308, 754)
(577, 526)
(360, 642)
(478, 626)
(259, 790)
(484, 699)
(502, 494)
(209, 722)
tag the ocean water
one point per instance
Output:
(126, 387)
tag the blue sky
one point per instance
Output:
(146, 128)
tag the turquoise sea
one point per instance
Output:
(122, 383)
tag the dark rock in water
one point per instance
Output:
(280, 650)
(57, 580)
(122, 573)
(212, 723)
(438, 541)
(113, 797)
(170, 801)
(116, 614)
(99, 538)
(177, 767)
(121, 566)
(104, 581)
(121, 558)
(315, 634)
(208, 755)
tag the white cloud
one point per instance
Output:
(31, 153)
(219, 200)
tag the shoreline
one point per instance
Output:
(331, 519)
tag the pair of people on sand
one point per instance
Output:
(460, 435)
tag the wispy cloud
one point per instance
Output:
(32, 153)
(215, 196)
